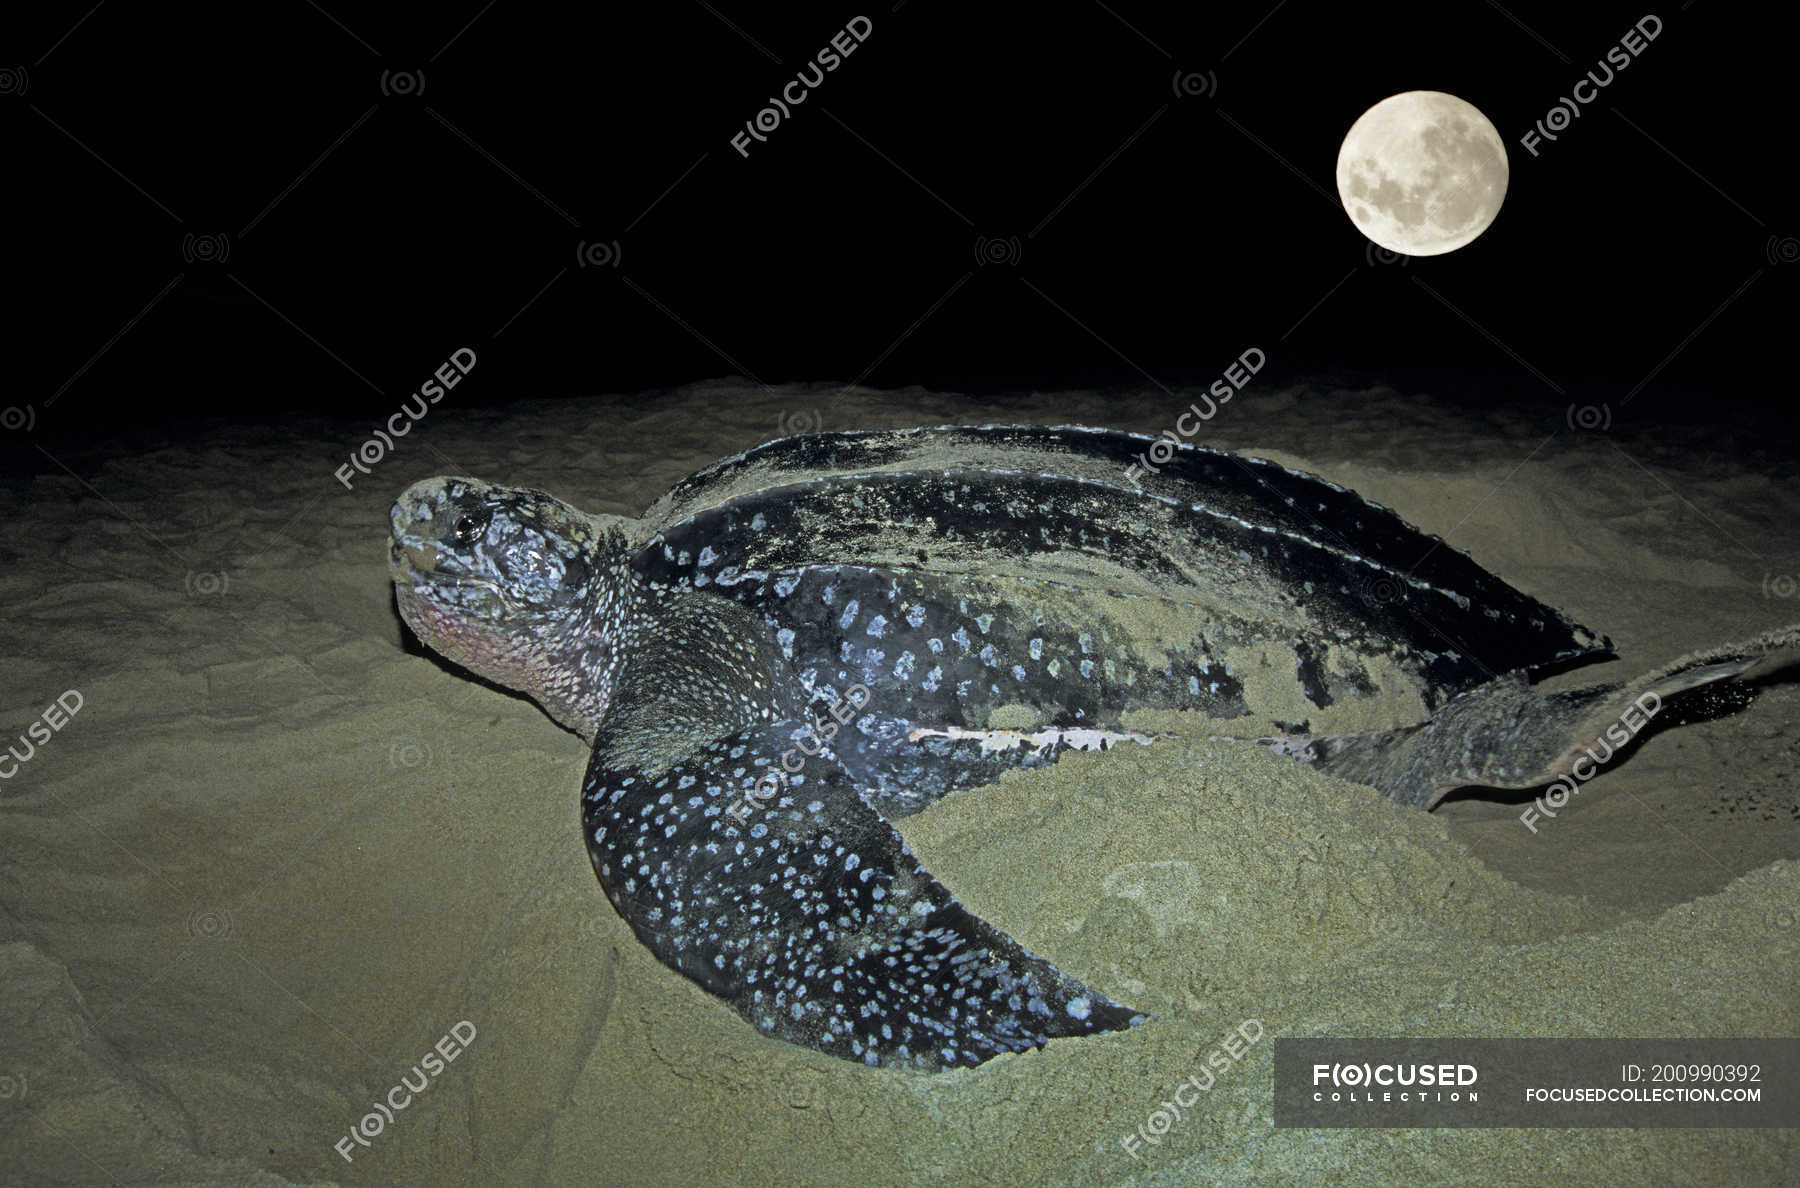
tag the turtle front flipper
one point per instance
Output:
(807, 913)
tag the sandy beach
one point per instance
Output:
(280, 852)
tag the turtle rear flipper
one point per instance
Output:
(1505, 734)
(809, 915)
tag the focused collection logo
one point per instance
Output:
(1406, 1084)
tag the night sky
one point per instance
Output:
(247, 212)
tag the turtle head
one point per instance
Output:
(516, 586)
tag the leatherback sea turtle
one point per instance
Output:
(798, 643)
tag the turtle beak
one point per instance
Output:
(401, 566)
(410, 551)
(415, 506)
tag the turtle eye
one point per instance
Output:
(467, 530)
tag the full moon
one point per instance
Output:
(1422, 173)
